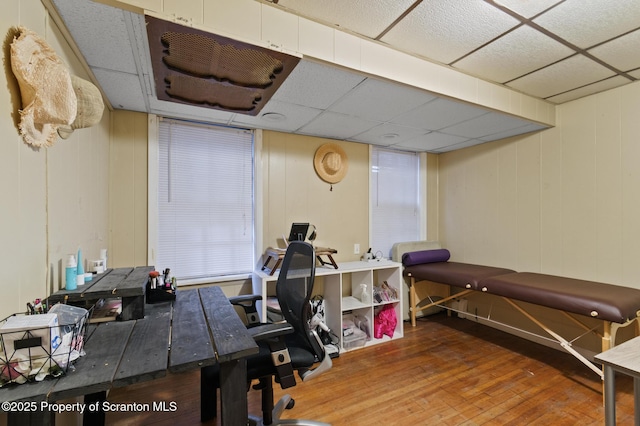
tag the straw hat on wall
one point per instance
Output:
(48, 98)
(90, 106)
(331, 163)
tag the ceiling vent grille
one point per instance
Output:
(197, 68)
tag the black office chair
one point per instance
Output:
(284, 347)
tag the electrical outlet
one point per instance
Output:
(356, 249)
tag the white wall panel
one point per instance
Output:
(578, 189)
(630, 153)
(347, 50)
(50, 199)
(10, 151)
(189, 12)
(507, 215)
(316, 40)
(242, 18)
(551, 259)
(528, 205)
(279, 29)
(608, 190)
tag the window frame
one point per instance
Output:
(422, 192)
(152, 193)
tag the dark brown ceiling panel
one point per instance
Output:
(199, 91)
(194, 67)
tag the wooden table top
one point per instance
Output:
(204, 329)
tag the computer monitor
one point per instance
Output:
(298, 232)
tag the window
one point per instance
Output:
(205, 200)
(395, 199)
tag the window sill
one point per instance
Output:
(214, 280)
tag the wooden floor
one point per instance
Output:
(445, 371)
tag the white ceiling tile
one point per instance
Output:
(104, 41)
(387, 134)
(528, 8)
(561, 77)
(380, 100)
(365, 17)
(438, 114)
(600, 86)
(586, 23)
(127, 86)
(337, 126)
(635, 74)
(527, 128)
(484, 125)
(316, 85)
(431, 142)
(465, 144)
(623, 52)
(513, 55)
(291, 117)
(447, 30)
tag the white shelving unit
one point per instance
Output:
(342, 292)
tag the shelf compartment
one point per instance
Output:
(350, 303)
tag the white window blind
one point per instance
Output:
(205, 200)
(395, 200)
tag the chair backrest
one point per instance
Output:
(294, 289)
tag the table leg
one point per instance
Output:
(609, 396)
(21, 418)
(636, 400)
(95, 417)
(208, 395)
(132, 308)
(233, 393)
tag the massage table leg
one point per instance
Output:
(413, 303)
(563, 342)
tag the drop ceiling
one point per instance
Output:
(557, 50)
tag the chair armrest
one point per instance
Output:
(274, 334)
(248, 303)
(244, 298)
(270, 331)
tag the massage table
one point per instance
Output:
(615, 306)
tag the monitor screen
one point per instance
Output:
(298, 232)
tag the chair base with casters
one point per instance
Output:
(284, 347)
(271, 413)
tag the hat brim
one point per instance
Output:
(327, 175)
(48, 100)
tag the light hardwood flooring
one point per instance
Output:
(445, 371)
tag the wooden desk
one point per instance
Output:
(199, 314)
(126, 283)
(625, 359)
(204, 329)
